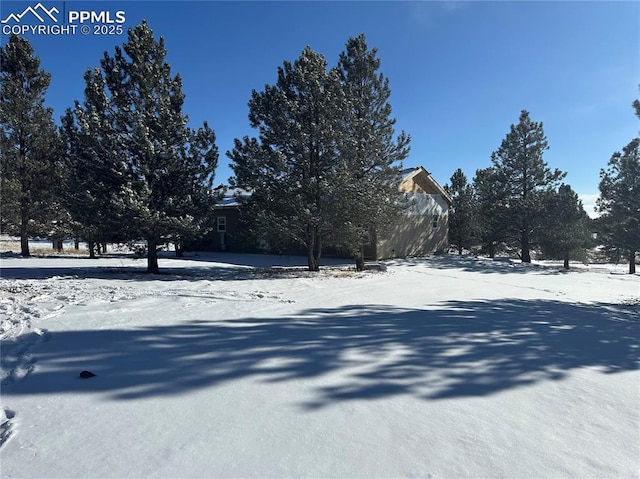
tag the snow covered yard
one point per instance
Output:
(224, 367)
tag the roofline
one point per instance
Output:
(441, 190)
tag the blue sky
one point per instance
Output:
(460, 72)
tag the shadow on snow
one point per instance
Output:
(206, 266)
(498, 265)
(471, 348)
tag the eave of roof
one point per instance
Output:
(418, 170)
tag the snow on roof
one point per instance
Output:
(232, 197)
(408, 172)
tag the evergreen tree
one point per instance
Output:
(566, 233)
(370, 157)
(95, 179)
(463, 226)
(519, 160)
(491, 194)
(29, 144)
(163, 169)
(326, 166)
(292, 167)
(619, 202)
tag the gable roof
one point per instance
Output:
(414, 180)
(419, 180)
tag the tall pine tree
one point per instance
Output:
(566, 234)
(29, 144)
(326, 166)
(619, 202)
(292, 166)
(491, 193)
(520, 162)
(463, 224)
(162, 169)
(370, 154)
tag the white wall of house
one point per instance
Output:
(423, 204)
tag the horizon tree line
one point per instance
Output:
(324, 167)
(519, 203)
(124, 166)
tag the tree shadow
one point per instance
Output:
(500, 265)
(214, 266)
(257, 260)
(459, 349)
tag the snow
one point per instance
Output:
(232, 197)
(249, 366)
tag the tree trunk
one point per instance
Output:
(76, 243)
(318, 248)
(179, 249)
(152, 257)
(632, 262)
(360, 260)
(312, 262)
(566, 263)
(91, 246)
(313, 249)
(526, 256)
(24, 238)
(24, 221)
(24, 245)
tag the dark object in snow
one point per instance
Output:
(86, 374)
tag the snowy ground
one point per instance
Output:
(223, 367)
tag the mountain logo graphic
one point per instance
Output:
(39, 11)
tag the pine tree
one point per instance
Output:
(619, 202)
(490, 190)
(463, 225)
(292, 166)
(520, 161)
(163, 170)
(370, 157)
(566, 233)
(29, 144)
(95, 178)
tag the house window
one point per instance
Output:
(434, 221)
(222, 224)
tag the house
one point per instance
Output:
(424, 226)
(422, 229)
(224, 236)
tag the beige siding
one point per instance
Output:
(419, 184)
(415, 235)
